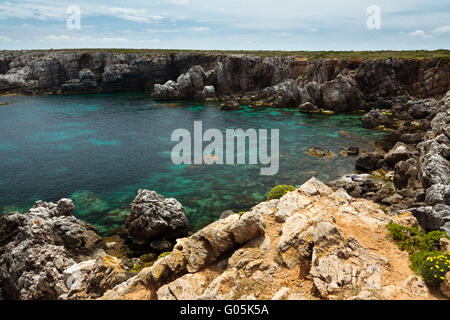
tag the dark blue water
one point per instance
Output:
(100, 149)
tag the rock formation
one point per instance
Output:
(339, 85)
(36, 248)
(312, 243)
(154, 217)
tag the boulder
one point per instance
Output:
(375, 118)
(152, 217)
(428, 218)
(342, 94)
(369, 161)
(308, 107)
(399, 153)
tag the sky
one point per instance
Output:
(226, 25)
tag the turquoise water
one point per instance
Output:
(100, 149)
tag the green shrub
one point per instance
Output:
(434, 268)
(423, 249)
(415, 239)
(418, 258)
(279, 191)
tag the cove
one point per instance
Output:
(99, 149)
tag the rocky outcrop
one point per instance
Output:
(38, 246)
(339, 85)
(188, 86)
(311, 242)
(410, 166)
(90, 279)
(153, 217)
(342, 94)
(375, 118)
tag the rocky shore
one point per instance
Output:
(409, 169)
(317, 242)
(312, 243)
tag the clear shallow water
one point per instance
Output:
(100, 149)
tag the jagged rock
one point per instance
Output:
(289, 204)
(435, 170)
(92, 278)
(230, 105)
(342, 94)
(369, 161)
(419, 110)
(39, 245)
(311, 93)
(438, 193)
(406, 173)
(284, 94)
(187, 86)
(153, 217)
(375, 118)
(188, 287)
(399, 153)
(315, 187)
(428, 218)
(308, 107)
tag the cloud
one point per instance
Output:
(31, 11)
(136, 15)
(442, 30)
(200, 29)
(3, 38)
(179, 2)
(91, 39)
(418, 33)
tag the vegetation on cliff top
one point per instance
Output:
(357, 55)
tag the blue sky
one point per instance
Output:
(230, 24)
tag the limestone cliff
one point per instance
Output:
(331, 83)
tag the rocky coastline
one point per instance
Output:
(319, 241)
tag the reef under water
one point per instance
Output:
(99, 149)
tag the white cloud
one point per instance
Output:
(180, 2)
(200, 29)
(441, 30)
(136, 15)
(3, 38)
(418, 33)
(29, 10)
